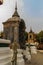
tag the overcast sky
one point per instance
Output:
(30, 10)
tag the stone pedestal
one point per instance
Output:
(27, 52)
(20, 60)
(33, 48)
(28, 55)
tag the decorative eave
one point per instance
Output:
(13, 19)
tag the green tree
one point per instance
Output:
(22, 28)
(40, 37)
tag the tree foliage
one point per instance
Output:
(22, 34)
(40, 37)
(26, 36)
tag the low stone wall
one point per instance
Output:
(5, 56)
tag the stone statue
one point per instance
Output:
(15, 46)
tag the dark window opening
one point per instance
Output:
(4, 45)
(30, 36)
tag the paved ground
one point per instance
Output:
(36, 59)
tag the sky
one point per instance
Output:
(30, 10)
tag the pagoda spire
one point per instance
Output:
(31, 29)
(16, 6)
(15, 13)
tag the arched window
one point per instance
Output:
(30, 36)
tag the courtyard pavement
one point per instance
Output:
(36, 59)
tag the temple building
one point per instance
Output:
(31, 36)
(14, 28)
(9, 26)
